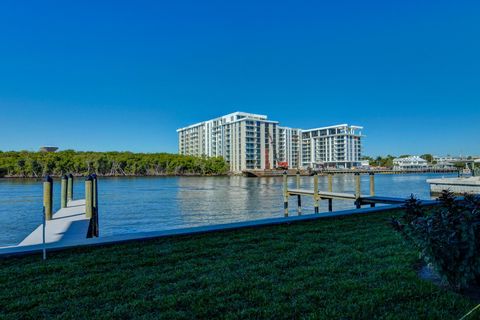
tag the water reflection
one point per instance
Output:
(149, 204)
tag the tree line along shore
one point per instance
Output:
(26, 164)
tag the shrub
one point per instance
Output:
(447, 235)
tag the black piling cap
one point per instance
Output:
(298, 171)
(65, 177)
(315, 173)
(285, 172)
(70, 176)
(48, 179)
(89, 178)
(94, 176)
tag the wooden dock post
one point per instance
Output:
(285, 194)
(372, 187)
(357, 190)
(63, 192)
(95, 230)
(48, 197)
(70, 188)
(330, 189)
(299, 197)
(89, 197)
(315, 191)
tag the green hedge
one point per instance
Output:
(37, 164)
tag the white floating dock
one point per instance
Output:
(455, 185)
(67, 225)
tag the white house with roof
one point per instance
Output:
(410, 163)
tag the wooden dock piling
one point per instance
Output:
(299, 197)
(95, 229)
(89, 197)
(285, 194)
(48, 197)
(70, 188)
(315, 192)
(372, 187)
(357, 191)
(330, 189)
(63, 192)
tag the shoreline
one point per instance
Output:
(121, 176)
(228, 174)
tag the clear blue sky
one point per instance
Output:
(123, 75)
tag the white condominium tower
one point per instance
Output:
(289, 151)
(252, 142)
(335, 146)
(244, 140)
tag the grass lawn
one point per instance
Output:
(354, 267)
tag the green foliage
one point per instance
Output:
(37, 164)
(386, 162)
(448, 236)
(338, 268)
(3, 172)
(427, 157)
(459, 165)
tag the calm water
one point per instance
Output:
(147, 204)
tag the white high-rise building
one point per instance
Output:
(245, 140)
(332, 147)
(252, 142)
(289, 147)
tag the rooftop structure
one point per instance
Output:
(444, 165)
(449, 158)
(409, 163)
(48, 149)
